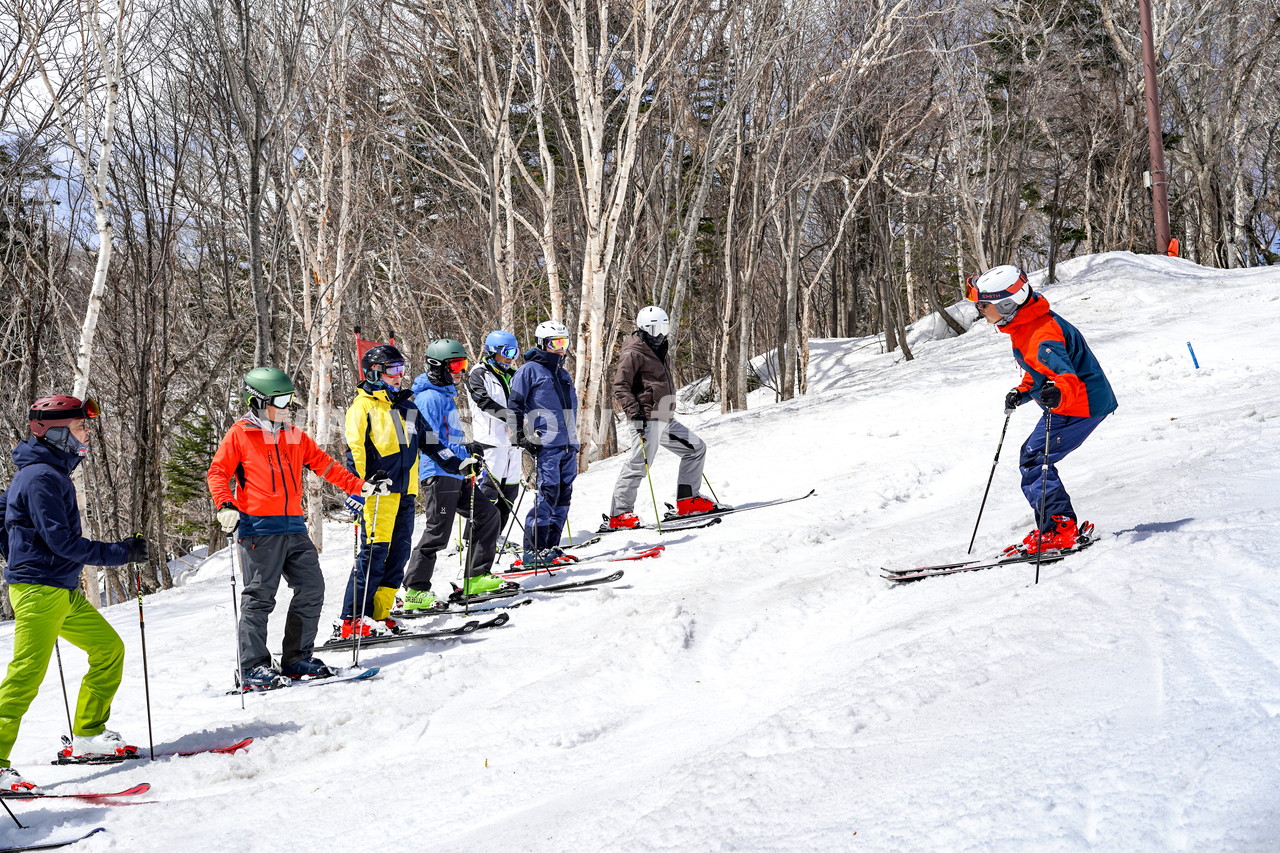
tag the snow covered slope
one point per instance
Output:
(759, 687)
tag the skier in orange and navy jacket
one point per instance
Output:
(1062, 375)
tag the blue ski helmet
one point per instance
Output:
(502, 343)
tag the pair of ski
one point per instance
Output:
(518, 570)
(921, 572)
(469, 627)
(54, 845)
(674, 523)
(568, 586)
(134, 756)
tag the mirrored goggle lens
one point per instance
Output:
(970, 290)
(396, 368)
(508, 352)
(91, 408)
(457, 365)
(280, 401)
(558, 344)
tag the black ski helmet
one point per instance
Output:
(381, 355)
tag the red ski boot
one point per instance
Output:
(695, 505)
(623, 520)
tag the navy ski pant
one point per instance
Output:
(557, 469)
(380, 562)
(1066, 433)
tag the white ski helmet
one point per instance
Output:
(549, 329)
(654, 321)
(1006, 287)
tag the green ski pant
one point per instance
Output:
(41, 615)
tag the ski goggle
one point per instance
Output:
(395, 368)
(280, 401)
(560, 343)
(457, 365)
(91, 408)
(506, 352)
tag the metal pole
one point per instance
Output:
(66, 702)
(990, 477)
(146, 678)
(1155, 132)
(1044, 488)
(644, 450)
(235, 612)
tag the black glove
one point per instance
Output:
(475, 448)
(525, 443)
(637, 426)
(378, 484)
(1012, 400)
(136, 549)
(1050, 396)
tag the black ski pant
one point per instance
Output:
(503, 497)
(264, 561)
(442, 499)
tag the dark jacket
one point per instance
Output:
(642, 384)
(42, 540)
(543, 394)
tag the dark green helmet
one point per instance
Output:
(444, 350)
(264, 385)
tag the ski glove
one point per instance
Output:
(355, 505)
(1050, 396)
(470, 466)
(1012, 400)
(378, 484)
(137, 549)
(637, 426)
(229, 518)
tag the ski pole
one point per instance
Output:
(992, 476)
(364, 580)
(502, 497)
(146, 678)
(235, 612)
(644, 449)
(470, 565)
(66, 702)
(1044, 490)
(11, 814)
(710, 488)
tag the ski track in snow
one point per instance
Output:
(759, 686)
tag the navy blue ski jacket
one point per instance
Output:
(42, 536)
(543, 393)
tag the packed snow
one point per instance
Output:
(759, 686)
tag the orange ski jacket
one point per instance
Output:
(265, 467)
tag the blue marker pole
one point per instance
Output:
(1194, 360)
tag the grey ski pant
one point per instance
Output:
(264, 561)
(675, 437)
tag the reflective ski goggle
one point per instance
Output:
(506, 352)
(560, 343)
(280, 401)
(91, 408)
(395, 368)
(457, 365)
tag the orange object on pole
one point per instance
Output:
(1173, 248)
(363, 346)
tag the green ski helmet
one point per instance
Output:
(264, 385)
(446, 360)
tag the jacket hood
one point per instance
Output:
(549, 360)
(34, 451)
(422, 382)
(1029, 313)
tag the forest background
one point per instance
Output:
(190, 190)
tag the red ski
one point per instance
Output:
(91, 797)
(133, 756)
